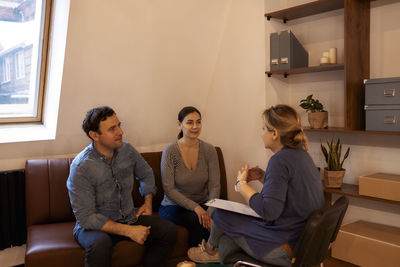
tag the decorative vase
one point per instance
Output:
(318, 120)
(333, 179)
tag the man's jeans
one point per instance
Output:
(160, 242)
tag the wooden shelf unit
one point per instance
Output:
(349, 131)
(305, 10)
(330, 67)
(351, 190)
(356, 63)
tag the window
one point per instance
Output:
(24, 31)
(19, 65)
(6, 69)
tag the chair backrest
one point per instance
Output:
(320, 230)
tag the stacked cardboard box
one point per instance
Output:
(368, 244)
(380, 185)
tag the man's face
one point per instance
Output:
(109, 135)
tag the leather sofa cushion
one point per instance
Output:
(55, 243)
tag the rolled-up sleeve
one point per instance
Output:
(144, 174)
(82, 198)
(269, 204)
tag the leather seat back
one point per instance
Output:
(47, 199)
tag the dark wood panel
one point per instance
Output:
(329, 67)
(308, 9)
(356, 47)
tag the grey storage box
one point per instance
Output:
(382, 104)
(286, 52)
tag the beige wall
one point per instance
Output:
(318, 33)
(148, 59)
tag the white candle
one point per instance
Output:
(324, 60)
(332, 55)
(325, 54)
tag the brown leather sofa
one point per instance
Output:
(50, 220)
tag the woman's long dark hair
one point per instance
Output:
(183, 113)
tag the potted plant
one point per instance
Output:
(334, 172)
(317, 116)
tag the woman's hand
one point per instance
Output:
(204, 217)
(243, 173)
(255, 173)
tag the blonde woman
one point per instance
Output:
(291, 191)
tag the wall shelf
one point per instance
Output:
(352, 190)
(350, 131)
(285, 73)
(356, 15)
(305, 10)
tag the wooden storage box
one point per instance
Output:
(368, 244)
(380, 185)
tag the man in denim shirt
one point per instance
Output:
(100, 187)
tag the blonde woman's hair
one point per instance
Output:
(287, 122)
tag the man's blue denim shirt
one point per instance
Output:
(100, 191)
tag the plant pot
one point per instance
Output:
(333, 179)
(318, 120)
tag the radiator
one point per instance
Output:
(12, 209)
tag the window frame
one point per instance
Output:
(44, 62)
(6, 75)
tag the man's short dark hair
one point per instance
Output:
(94, 117)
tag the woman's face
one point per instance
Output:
(267, 135)
(191, 125)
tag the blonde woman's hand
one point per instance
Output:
(255, 173)
(204, 217)
(243, 173)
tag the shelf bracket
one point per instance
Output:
(285, 75)
(285, 20)
(269, 74)
(268, 17)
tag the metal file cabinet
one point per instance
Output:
(382, 104)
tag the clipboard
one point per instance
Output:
(232, 206)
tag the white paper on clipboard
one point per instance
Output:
(232, 206)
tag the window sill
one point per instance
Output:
(26, 132)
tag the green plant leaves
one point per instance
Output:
(311, 105)
(332, 155)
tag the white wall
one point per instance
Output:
(318, 33)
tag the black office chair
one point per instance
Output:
(319, 232)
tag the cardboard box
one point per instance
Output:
(368, 244)
(380, 185)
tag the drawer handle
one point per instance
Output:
(389, 119)
(284, 60)
(389, 92)
(274, 61)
